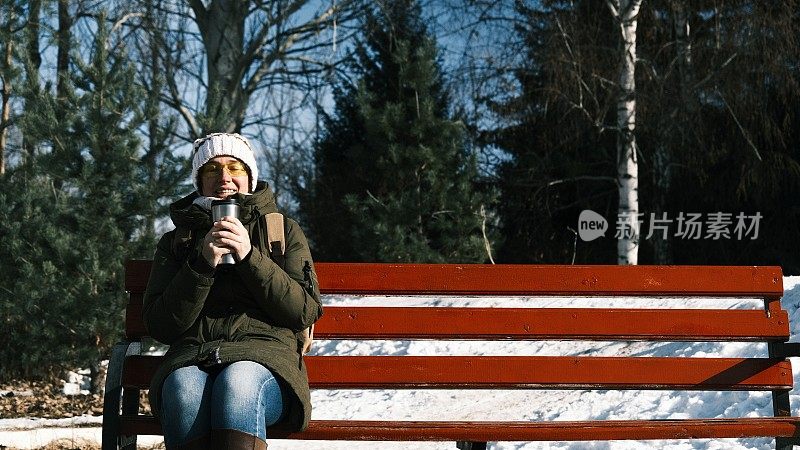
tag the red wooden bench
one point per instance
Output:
(130, 371)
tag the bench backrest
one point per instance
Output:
(768, 324)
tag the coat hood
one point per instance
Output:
(184, 213)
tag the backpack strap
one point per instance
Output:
(276, 238)
(276, 241)
(306, 338)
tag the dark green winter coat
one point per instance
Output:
(247, 311)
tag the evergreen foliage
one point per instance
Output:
(394, 177)
(70, 215)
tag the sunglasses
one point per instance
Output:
(214, 169)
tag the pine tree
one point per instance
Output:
(72, 214)
(394, 178)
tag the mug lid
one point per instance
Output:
(224, 201)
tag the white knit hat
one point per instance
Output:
(224, 144)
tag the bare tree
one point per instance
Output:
(5, 91)
(20, 60)
(33, 58)
(63, 41)
(280, 139)
(10, 25)
(625, 13)
(481, 53)
(219, 54)
(672, 122)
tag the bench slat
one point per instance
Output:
(518, 431)
(536, 323)
(493, 372)
(552, 431)
(507, 279)
(520, 372)
(550, 323)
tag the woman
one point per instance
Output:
(234, 366)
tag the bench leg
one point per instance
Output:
(781, 407)
(465, 445)
(112, 401)
(130, 407)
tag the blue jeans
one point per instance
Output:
(243, 396)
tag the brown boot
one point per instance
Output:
(235, 440)
(201, 443)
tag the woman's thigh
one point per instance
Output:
(246, 397)
(186, 405)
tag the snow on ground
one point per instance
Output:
(510, 404)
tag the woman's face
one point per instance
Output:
(224, 176)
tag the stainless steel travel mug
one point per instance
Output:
(220, 209)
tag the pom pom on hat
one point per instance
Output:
(224, 144)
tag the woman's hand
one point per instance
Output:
(227, 235)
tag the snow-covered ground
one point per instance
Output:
(506, 405)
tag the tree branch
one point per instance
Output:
(200, 14)
(260, 39)
(486, 243)
(739, 124)
(252, 84)
(613, 8)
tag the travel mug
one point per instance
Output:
(220, 209)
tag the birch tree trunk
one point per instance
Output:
(625, 12)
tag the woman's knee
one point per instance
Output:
(247, 386)
(185, 388)
(243, 379)
(185, 405)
